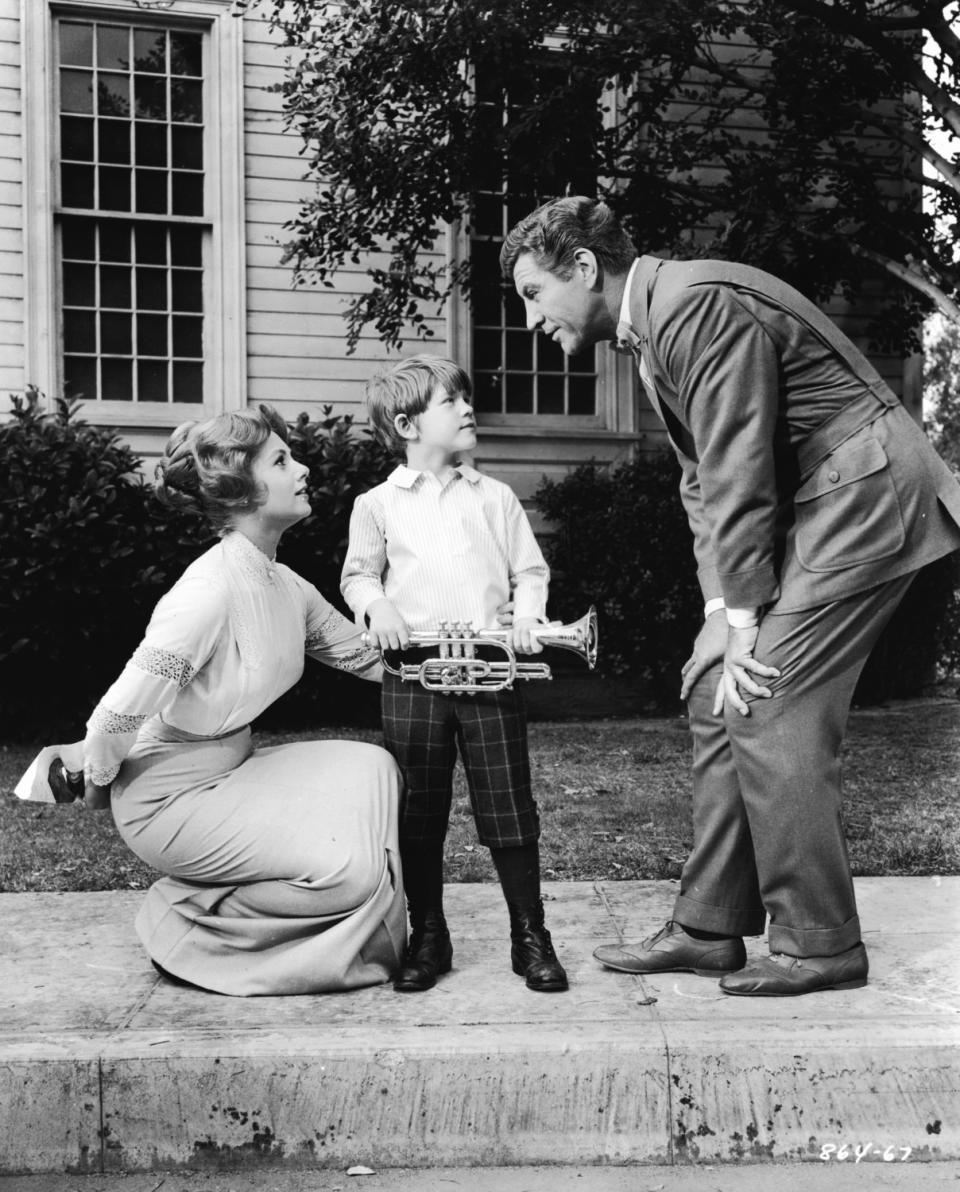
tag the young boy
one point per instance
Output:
(437, 541)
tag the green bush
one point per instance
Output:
(342, 467)
(88, 551)
(621, 541)
(922, 641)
(83, 561)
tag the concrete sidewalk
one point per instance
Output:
(105, 1067)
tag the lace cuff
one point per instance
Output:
(317, 637)
(102, 777)
(163, 665)
(356, 660)
(114, 723)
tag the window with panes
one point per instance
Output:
(516, 373)
(130, 210)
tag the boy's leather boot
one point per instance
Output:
(532, 951)
(429, 953)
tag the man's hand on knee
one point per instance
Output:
(739, 667)
(709, 647)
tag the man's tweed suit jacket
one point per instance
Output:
(804, 478)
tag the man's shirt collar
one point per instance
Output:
(625, 301)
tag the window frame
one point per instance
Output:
(616, 384)
(225, 365)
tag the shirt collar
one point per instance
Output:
(250, 559)
(404, 477)
(625, 303)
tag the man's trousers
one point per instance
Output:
(768, 836)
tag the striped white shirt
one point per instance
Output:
(452, 547)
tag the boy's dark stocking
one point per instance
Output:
(532, 953)
(429, 952)
(422, 863)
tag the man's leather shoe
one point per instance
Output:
(531, 951)
(429, 954)
(786, 976)
(671, 950)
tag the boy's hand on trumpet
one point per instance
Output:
(387, 629)
(521, 638)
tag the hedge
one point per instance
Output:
(620, 540)
(88, 550)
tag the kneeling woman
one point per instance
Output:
(282, 866)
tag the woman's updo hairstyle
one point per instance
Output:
(206, 466)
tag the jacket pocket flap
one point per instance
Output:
(849, 463)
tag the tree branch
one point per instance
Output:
(727, 74)
(895, 54)
(894, 131)
(942, 165)
(912, 277)
(942, 33)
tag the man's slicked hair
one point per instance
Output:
(554, 232)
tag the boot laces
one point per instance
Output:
(665, 930)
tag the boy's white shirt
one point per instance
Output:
(447, 547)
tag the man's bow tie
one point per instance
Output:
(627, 338)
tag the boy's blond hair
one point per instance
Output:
(406, 388)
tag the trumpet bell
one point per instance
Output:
(579, 636)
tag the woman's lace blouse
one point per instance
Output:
(222, 645)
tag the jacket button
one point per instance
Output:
(833, 477)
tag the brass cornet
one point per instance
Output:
(456, 669)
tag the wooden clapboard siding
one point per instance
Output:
(12, 379)
(297, 356)
(296, 336)
(525, 461)
(895, 172)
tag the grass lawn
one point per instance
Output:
(614, 798)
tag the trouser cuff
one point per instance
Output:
(725, 920)
(815, 941)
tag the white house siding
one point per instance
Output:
(522, 459)
(11, 206)
(296, 336)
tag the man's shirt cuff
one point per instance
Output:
(743, 618)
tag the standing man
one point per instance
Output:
(813, 498)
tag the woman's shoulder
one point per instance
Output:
(202, 585)
(208, 569)
(190, 616)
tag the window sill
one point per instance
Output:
(164, 415)
(554, 431)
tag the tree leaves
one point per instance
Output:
(775, 133)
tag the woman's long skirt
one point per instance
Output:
(283, 866)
